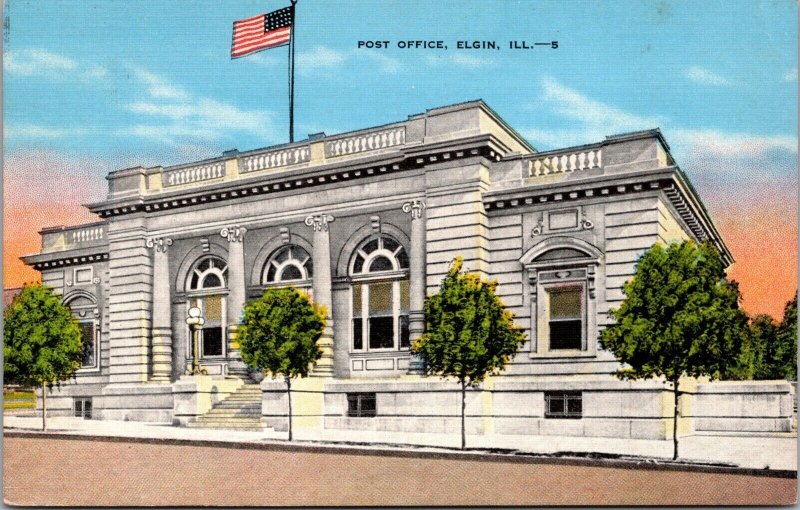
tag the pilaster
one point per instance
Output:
(161, 331)
(321, 254)
(236, 295)
(417, 284)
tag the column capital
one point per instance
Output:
(234, 233)
(415, 207)
(158, 244)
(319, 222)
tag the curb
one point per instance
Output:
(408, 451)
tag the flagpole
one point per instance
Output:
(291, 75)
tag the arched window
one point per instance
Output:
(380, 299)
(561, 272)
(207, 288)
(208, 273)
(289, 264)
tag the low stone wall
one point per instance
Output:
(504, 405)
(126, 402)
(743, 406)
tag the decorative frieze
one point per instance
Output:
(234, 234)
(415, 207)
(159, 244)
(319, 222)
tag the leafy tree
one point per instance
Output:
(42, 343)
(470, 334)
(279, 333)
(680, 317)
(763, 336)
(785, 355)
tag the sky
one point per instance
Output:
(91, 86)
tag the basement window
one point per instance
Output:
(82, 408)
(361, 405)
(563, 404)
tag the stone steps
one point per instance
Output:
(241, 410)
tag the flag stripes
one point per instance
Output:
(261, 32)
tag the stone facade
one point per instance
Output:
(367, 223)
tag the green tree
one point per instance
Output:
(279, 333)
(680, 317)
(763, 336)
(42, 343)
(469, 333)
(785, 355)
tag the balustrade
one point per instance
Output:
(564, 162)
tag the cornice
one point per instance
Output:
(305, 177)
(670, 181)
(53, 260)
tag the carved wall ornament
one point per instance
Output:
(204, 245)
(539, 228)
(233, 234)
(415, 207)
(96, 280)
(319, 222)
(159, 243)
(286, 236)
(586, 223)
(375, 224)
(69, 283)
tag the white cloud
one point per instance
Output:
(31, 62)
(36, 131)
(182, 117)
(325, 59)
(732, 144)
(790, 75)
(158, 87)
(706, 77)
(35, 62)
(592, 121)
(320, 57)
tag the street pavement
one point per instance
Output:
(42, 470)
(777, 451)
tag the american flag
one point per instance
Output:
(261, 32)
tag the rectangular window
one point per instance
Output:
(361, 405)
(82, 275)
(566, 318)
(405, 340)
(89, 344)
(82, 408)
(212, 341)
(381, 321)
(358, 324)
(563, 404)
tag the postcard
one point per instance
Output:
(310, 253)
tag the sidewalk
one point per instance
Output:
(759, 451)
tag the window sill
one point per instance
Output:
(565, 354)
(379, 353)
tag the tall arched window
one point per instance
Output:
(379, 271)
(207, 286)
(290, 264)
(84, 308)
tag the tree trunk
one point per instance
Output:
(675, 421)
(289, 394)
(44, 406)
(463, 412)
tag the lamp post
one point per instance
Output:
(195, 322)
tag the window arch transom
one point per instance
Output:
(379, 254)
(209, 273)
(291, 263)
